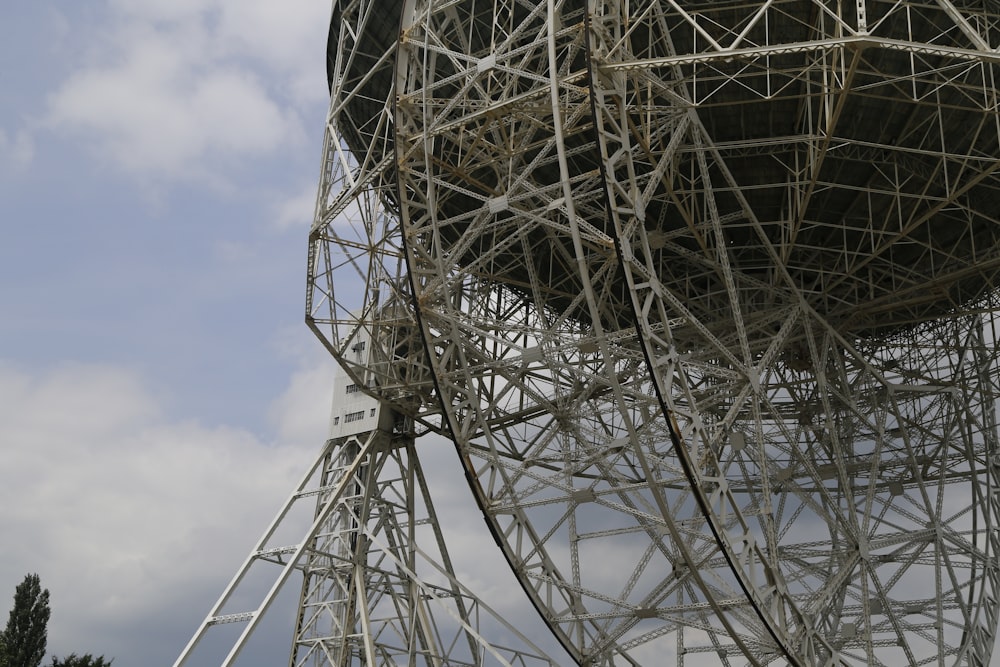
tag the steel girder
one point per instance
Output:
(719, 424)
(722, 379)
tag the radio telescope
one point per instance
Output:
(704, 295)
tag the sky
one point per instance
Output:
(159, 391)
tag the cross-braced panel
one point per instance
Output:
(706, 292)
(782, 238)
(535, 358)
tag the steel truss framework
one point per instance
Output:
(703, 292)
(377, 583)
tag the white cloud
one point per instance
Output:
(303, 409)
(296, 212)
(286, 37)
(158, 111)
(16, 151)
(124, 511)
(164, 10)
(281, 37)
(181, 89)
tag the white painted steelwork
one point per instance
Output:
(704, 294)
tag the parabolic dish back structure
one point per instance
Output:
(703, 293)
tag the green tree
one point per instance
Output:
(23, 640)
(86, 660)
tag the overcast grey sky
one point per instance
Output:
(158, 390)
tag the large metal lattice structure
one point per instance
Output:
(704, 293)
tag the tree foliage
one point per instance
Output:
(86, 660)
(23, 641)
